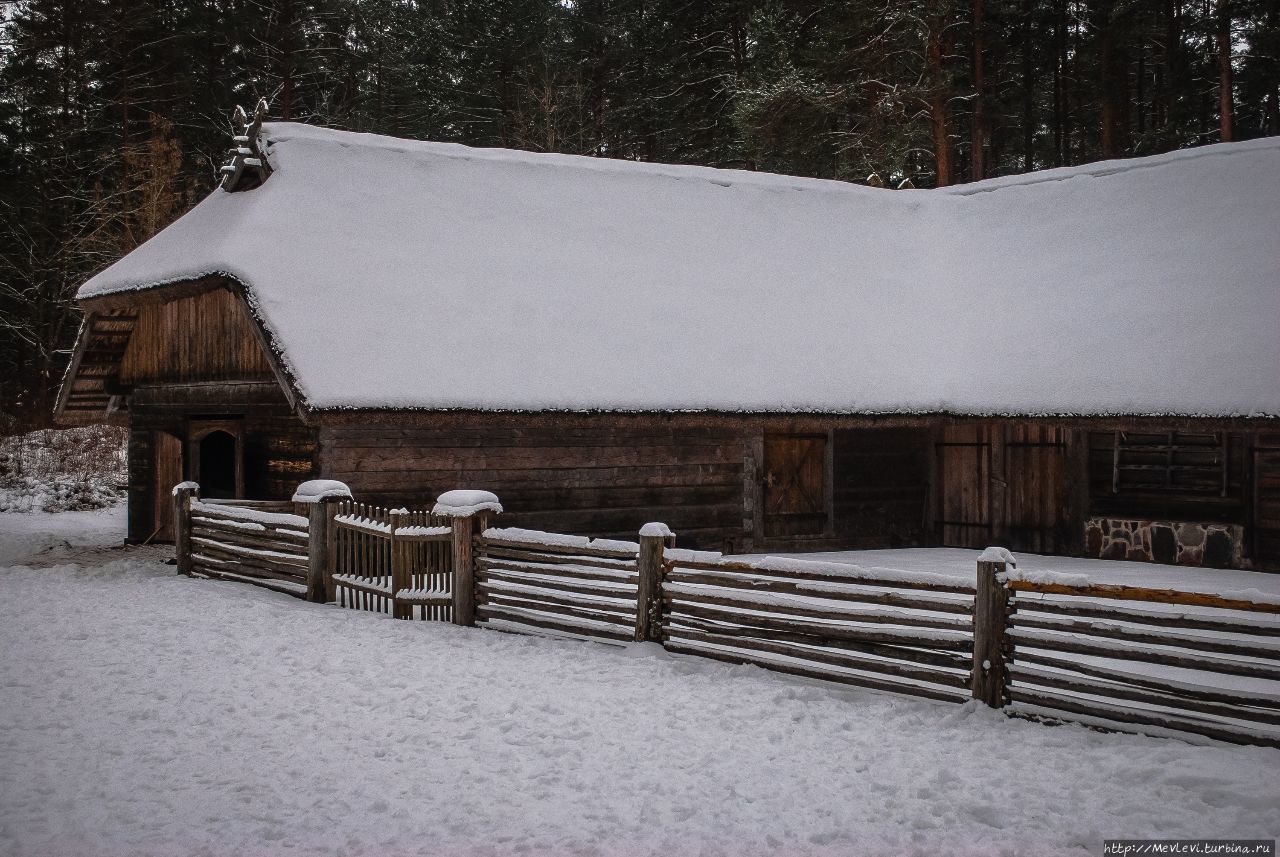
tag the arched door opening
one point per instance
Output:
(219, 461)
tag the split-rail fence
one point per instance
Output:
(1047, 646)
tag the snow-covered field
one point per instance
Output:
(144, 713)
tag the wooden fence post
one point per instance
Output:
(469, 512)
(653, 539)
(400, 577)
(320, 515)
(464, 570)
(988, 679)
(183, 494)
(320, 498)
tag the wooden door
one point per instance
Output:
(168, 473)
(795, 485)
(964, 468)
(1036, 518)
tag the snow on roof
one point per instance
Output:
(393, 273)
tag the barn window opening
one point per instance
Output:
(218, 461)
(1198, 476)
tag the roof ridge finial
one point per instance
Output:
(247, 159)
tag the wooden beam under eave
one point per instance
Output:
(283, 378)
(73, 369)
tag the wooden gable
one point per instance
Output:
(203, 337)
(188, 334)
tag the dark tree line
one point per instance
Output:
(114, 113)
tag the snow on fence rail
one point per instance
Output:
(1082, 651)
(876, 628)
(569, 584)
(1047, 645)
(237, 542)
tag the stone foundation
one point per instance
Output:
(1169, 542)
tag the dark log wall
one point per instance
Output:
(602, 476)
(881, 486)
(202, 337)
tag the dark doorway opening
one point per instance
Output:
(218, 461)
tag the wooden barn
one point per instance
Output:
(1080, 361)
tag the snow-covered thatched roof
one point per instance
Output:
(392, 273)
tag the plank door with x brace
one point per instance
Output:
(794, 477)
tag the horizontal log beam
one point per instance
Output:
(1034, 639)
(487, 543)
(1136, 593)
(489, 612)
(673, 625)
(1144, 617)
(745, 601)
(816, 673)
(1024, 676)
(746, 568)
(1116, 632)
(1116, 714)
(954, 679)
(488, 549)
(1179, 688)
(820, 631)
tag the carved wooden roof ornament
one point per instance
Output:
(248, 167)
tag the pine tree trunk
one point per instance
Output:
(938, 120)
(1061, 121)
(1110, 113)
(979, 130)
(1226, 109)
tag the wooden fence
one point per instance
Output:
(391, 561)
(1197, 663)
(568, 584)
(1046, 646)
(258, 543)
(908, 633)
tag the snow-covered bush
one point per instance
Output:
(58, 470)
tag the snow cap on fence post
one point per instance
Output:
(462, 504)
(321, 496)
(183, 494)
(988, 681)
(320, 490)
(469, 511)
(654, 537)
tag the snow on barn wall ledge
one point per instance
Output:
(394, 274)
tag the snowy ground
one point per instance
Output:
(45, 538)
(144, 713)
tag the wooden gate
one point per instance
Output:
(391, 561)
(795, 485)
